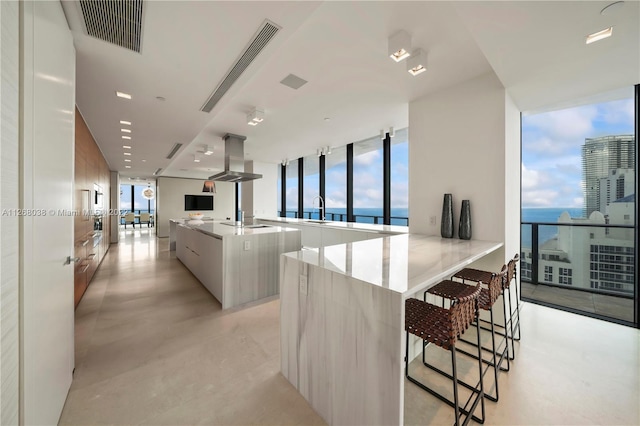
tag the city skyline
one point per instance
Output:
(551, 149)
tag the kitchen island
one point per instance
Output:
(237, 264)
(342, 319)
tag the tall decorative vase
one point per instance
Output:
(446, 227)
(464, 232)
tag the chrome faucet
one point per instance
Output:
(320, 207)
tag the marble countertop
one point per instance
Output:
(219, 229)
(351, 226)
(402, 263)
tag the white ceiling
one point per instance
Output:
(536, 48)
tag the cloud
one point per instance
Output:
(367, 159)
(552, 150)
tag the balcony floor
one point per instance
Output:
(600, 304)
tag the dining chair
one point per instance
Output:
(129, 218)
(145, 218)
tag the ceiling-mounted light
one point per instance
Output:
(126, 146)
(127, 153)
(399, 46)
(126, 137)
(255, 116)
(327, 150)
(196, 158)
(591, 38)
(123, 95)
(417, 63)
(392, 132)
(126, 123)
(128, 167)
(285, 162)
(125, 130)
(207, 150)
(126, 160)
(209, 186)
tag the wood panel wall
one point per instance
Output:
(91, 243)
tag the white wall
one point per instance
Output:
(458, 145)
(259, 197)
(9, 199)
(170, 200)
(512, 170)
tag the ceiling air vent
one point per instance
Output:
(173, 151)
(115, 21)
(293, 81)
(265, 33)
(158, 170)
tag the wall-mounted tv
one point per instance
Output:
(198, 202)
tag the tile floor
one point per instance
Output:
(154, 347)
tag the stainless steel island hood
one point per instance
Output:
(234, 161)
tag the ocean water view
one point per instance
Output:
(544, 215)
(540, 215)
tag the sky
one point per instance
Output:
(551, 150)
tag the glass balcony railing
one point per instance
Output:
(342, 217)
(584, 268)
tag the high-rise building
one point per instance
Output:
(600, 156)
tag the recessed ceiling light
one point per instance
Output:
(127, 153)
(144, 161)
(123, 95)
(126, 146)
(591, 38)
(125, 130)
(126, 137)
(127, 123)
(128, 167)
(126, 160)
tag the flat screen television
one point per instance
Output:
(198, 202)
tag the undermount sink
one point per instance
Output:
(257, 226)
(317, 221)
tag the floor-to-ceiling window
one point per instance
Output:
(350, 177)
(368, 180)
(292, 189)
(400, 178)
(336, 184)
(578, 209)
(135, 199)
(311, 187)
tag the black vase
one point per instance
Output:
(464, 231)
(446, 227)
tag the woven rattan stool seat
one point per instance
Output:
(429, 322)
(470, 274)
(452, 289)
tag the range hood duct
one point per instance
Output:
(234, 161)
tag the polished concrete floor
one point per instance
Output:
(154, 347)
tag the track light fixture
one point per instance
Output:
(383, 134)
(417, 63)
(399, 46)
(196, 158)
(255, 117)
(285, 162)
(208, 150)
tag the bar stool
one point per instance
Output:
(476, 275)
(451, 290)
(443, 327)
